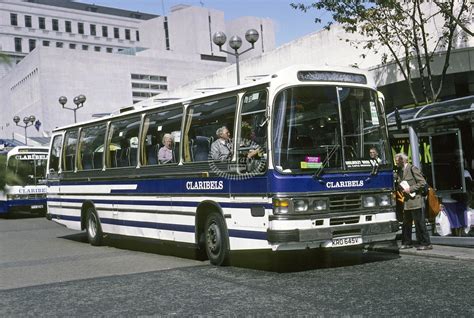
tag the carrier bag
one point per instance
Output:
(443, 227)
(470, 218)
(433, 205)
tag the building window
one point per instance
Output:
(153, 78)
(55, 25)
(67, 24)
(42, 23)
(105, 31)
(150, 86)
(59, 44)
(116, 33)
(97, 48)
(137, 35)
(215, 58)
(92, 29)
(18, 45)
(28, 21)
(45, 43)
(127, 34)
(85, 47)
(72, 46)
(167, 36)
(13, 19)
(109, 50)
(80, 28)
(145, 85)
(32, 44)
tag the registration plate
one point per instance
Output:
(346, 241)
(38, 206)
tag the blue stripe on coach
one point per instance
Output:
(163, 203)
(165, 226)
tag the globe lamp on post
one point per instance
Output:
(235, 42)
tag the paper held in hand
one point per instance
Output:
(405, 186)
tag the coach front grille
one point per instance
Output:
(345, 202)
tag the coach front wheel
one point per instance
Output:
(217, 244)
(94, 231)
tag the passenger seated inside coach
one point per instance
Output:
(221, 149)
(166, 154)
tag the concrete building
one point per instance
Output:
(114, 57)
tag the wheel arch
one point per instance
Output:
(203, 210)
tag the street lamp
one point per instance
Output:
(28, 121)
(235, 43)
(79, 101)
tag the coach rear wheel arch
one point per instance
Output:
(216, 239)
(93, 228)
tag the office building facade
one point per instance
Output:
(115, 57)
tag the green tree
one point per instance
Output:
(2, 171)
(397, 30)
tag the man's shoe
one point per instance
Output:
(406, 246)
(425, 247)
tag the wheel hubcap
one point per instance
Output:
(213, 238)
(92, 225)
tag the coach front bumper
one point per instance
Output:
(370, 232)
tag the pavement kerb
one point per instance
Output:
(438, 251)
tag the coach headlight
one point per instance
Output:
(320, 205)
(369, 202)
(300, 205)
(384, 200)
(281, 206)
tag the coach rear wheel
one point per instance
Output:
(217, 246)
(94, 231)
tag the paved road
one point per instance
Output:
(75, 279)
(36, 251)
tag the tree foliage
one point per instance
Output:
(397, 30)
(7, 176)
(3, 177)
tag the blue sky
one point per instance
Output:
(290, 24)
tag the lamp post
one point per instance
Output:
(79, 101)
(28, 121)
(235, 43)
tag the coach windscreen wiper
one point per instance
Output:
(317, 174)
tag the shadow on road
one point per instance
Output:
(20, 215)
(78, 237)
(282, 261)
(296, 261)
(142, 245)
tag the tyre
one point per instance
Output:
(94, 231)
(217, 240)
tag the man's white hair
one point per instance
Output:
(220, 130)
(401, 155)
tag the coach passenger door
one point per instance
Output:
(53, 173)
(252, 145)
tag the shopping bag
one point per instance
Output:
(443, 227)
(433, 205)
(469, 218)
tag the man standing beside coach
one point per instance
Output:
(411, 181)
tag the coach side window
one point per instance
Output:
(162, 132)
(91, 147)
(203, 122)
(55, 152)
(69, 151)
(122, 142)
